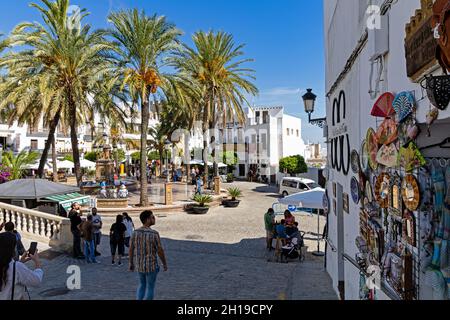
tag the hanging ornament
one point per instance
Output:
(383, 107)
(410, 192)
(432, 115)
(404, 105)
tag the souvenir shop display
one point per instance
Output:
(410, 192)
(372, 148)
(364, 156)
(404, 105)
(387, 132)
(356, 192)
(396, 204)
(438, 90)
(409, 228)
(382, 190)
(368, 192)
(355, 162)
(383, 106)
(432, 115)
(388, 156)
(410, 157)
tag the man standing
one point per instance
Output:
(269, 222)
(87, 233)
(75, 221)
(97, 223)
(145, 247)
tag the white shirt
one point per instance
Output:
(24, 278)
(129, 225)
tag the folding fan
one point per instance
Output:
(403, 105)
(383, 107)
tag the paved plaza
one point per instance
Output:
(217, 256)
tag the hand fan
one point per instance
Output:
(403, 105)
(383, 108)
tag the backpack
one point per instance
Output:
(440, 23)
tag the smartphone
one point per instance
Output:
(33, 247)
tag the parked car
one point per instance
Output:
(292, 185)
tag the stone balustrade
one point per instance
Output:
(38, 226)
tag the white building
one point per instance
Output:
(268, 135)
(351, 50)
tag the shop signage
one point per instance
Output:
(420, 45)
(340, 143)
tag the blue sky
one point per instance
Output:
(285, 37)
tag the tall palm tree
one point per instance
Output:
(157, 142)
(215, 66)
(142, 44)
(68, 58)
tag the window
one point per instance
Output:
(287, 131)
(292, 131)
(265, 117)
(298, 133)
(289, 184)
(34, 144)
(313, 185)
(303, 186)
(257, 116)
(264, 141)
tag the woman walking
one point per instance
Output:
(15, 275)
(128, 222)
(117, 239)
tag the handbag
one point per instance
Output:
(440, 23)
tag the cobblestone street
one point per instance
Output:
(217, 256)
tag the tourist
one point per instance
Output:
(128, 222)
(290, 223)
(98, 224)
(281, 230)
(269, 222)
(117, 239)
(197, 171)
(75, 221)
(20, 249)
(15, 275)
(145, 245)
(193, 176)
(198, 189)
(87, 233)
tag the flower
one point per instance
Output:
(4, 173)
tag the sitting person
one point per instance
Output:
(281, 230)
(289, 222)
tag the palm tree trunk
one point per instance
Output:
(55, 168)
(161, 159)
(143, 157)
(48, 143)
(74, 137)
(205, 126)
(187, 155)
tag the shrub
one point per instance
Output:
(203, 199)
(234, 193)
(230, 177)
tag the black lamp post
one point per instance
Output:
(167, 143)
(309, 100)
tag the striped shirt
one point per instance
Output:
(145, 243)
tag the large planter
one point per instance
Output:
(112, 203)
(231, 203)
(199, 210)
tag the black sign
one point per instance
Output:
(340, 144)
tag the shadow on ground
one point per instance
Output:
(197, 270)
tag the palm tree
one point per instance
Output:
(66, 58)
(17, 163)
(215, 68)
(157, 142)
(142, 43)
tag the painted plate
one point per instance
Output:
(382, 190)
(364, 158)
(355, 162)
(411, 192)
(356, 192)
(372, 148)
(369, 192)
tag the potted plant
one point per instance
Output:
(202, 201)
(234, 193)
(230, 178)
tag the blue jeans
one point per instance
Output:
(89, 250)
(146, 289)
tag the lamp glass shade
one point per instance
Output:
(309, 99)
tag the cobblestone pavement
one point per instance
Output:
(218, 256)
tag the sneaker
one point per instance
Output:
(96, 261)
(113, 263)
(119, 264)
(97, 253)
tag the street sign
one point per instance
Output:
(292, 208)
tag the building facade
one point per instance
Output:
(381, 241)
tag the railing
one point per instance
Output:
(38, 226)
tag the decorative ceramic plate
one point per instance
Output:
(404, 105)
(388, 156)
(410, 192)
(372, 148)
(355, 161)
(356, 193)
(382, 190)
(369, 192)
(364, 158)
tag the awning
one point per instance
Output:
(66, 200)
(312, 199)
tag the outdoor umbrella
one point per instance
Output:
(66, 164)
(35, 166)
(312, 199)
(87, 164)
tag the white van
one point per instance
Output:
(292, 185)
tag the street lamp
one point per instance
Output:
(167, 143)
(309, 100)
